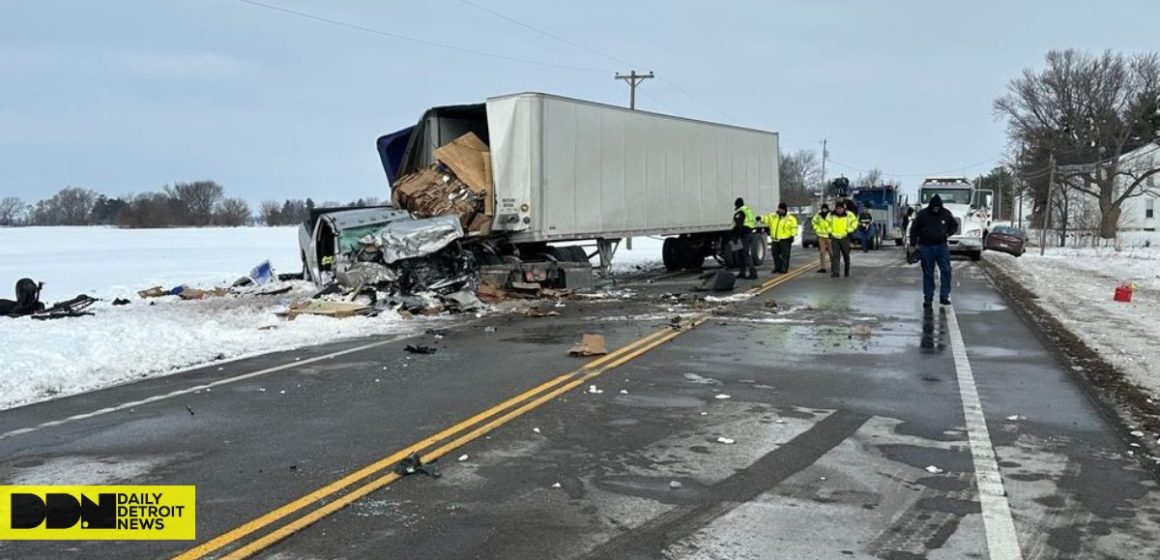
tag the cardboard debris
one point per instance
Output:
(536, 312)
(155, 291)
(490, 294)
(197, 293)
(460, 185)
(589, 345)
(467, 157)
(328, 309)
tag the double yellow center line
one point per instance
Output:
(437, 445)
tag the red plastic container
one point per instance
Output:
(1123, 293)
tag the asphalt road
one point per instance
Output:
(851, 411)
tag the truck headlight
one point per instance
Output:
(973, 233)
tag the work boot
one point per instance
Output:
(926, 304)
(847, 271)
(834, 275)
(822, 271)
(944, 301)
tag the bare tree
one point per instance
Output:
(149, 210)
(799, 173)
(12, 209)
(198, 200)
(233, 212)
(1088, 111)
(269, 212)
(872, 178)
(71, 206)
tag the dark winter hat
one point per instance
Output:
(782, 206)
(936, 201)
(825, 206)
(739, 202)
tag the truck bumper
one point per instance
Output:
(959, 245)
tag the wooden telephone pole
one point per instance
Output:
(633, 79)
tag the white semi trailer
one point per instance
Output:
(567, 170)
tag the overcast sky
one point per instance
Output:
(125, 96)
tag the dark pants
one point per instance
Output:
(748, 240)
(781, 249)
(867, 236)
(839, 249)
(935, 255)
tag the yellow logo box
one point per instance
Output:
(89, 513)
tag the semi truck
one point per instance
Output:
(567, 170)
(886, 206)
(970, 206)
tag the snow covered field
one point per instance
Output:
(1076, 286)
(42, 359)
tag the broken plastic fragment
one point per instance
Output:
(722, 396)
(537, 430)
(1137, 433)
(623, 391)
(934, 470)
(725, 440)
(462, 458)
(1013, 417)
(556, 485)
(675, 484)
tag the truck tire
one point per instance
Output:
(668, 254)
(975, 256)
(689, 254)
(730, 257)
(759, 250)
(579, 254)
(898, 241)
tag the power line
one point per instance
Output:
(408, 38)
(603, 54)
(963, 168)
(547, 33)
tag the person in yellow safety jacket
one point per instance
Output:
(783, 228)
(822, 229)
(744, 221)
(842, 224)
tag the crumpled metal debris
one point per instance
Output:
(406, 239)
(413, 464)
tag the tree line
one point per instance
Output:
(194, 204)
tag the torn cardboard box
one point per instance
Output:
(589, 345)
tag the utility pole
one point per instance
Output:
(1047, 216)
(633, 79)
(824, 154)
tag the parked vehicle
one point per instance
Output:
(1006, 239)
(887, 207)
(970, 206)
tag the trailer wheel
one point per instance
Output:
(579, 255)
(898, 241)
(669, 254)
(688, 254)
(759, 250)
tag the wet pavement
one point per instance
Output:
(840, 397)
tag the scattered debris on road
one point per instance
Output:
(722, 396)
(934, 470)
(675, 484)
(462, 458)
(589, 345)
(595, 390)
(725, 440)
(419, 349)
(413, 464)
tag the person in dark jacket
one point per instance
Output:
(929, 233)
(864, 221)
(744, 220)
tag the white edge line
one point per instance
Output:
(998, 524)
(202, 387)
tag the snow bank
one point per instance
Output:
(43, 359)
(1076, 286)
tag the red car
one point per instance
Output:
(1006, 239)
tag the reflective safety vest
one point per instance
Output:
(781, 228)
(842, 226)
(750, 217)
(821, 226)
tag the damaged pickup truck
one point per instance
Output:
(386, 249)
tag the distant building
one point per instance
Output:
(1140, 213)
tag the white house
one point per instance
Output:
(1141, 212)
